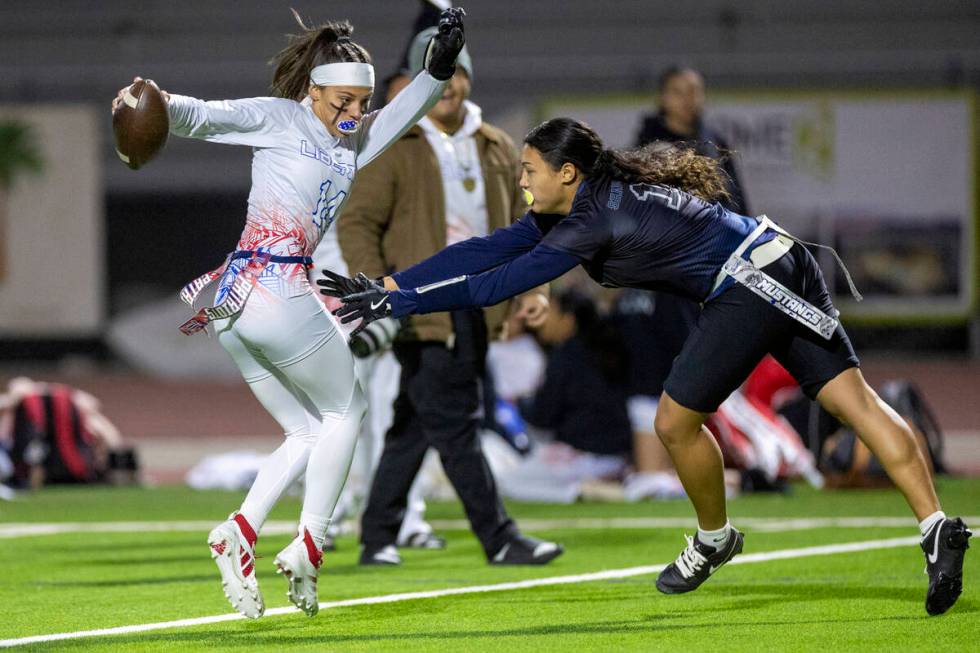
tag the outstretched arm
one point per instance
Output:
(540, 265)
(379, 129)
(473, 255)
(258, 122)
(382, 128)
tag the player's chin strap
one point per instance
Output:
(746, 273)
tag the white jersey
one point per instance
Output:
(301, 174)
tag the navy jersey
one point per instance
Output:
(647, 236)
(625, 235)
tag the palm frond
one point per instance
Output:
(19, 152)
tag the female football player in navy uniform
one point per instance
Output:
(651, 219)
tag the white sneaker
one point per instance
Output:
(236, 562)
(300, 562)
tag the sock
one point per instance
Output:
(316, 525)
(926, 524)
(246, 529)
(715, 539)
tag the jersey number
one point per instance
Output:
(326, 206)
(665, 195)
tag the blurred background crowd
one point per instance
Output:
(853, 124)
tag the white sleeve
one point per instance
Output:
(380, 129)
(258, 122)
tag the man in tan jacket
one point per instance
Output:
(450, 178)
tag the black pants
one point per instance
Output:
(437, 405)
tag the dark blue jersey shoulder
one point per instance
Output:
(646, 236)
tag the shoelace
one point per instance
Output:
(690, 561)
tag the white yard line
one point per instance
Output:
(767, 524)
(829, 549)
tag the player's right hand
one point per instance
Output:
(367, 306)
(116, 101)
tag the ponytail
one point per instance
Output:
(329, 42)
(680, 167)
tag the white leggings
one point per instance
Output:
(293, 356)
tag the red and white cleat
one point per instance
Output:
(232, 546)
(300, 562)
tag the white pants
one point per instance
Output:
(379, 377)
(291, 353)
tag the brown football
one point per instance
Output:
(140, 124)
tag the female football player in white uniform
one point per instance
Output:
(308, 143)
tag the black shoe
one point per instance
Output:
(944, 546)
(386, 556)
(696, 563)
(422, 540)
(526, 550)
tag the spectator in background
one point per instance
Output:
(654, 326)
(447, 179)
(583, 397)
(680, 120)
(579, 409)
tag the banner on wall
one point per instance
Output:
(53, 281)
(887, 179)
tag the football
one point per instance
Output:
(140, 123)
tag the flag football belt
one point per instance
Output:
(241, 287)
(747, 272)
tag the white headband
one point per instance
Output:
(343, 74)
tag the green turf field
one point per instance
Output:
(866, 600)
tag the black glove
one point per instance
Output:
(375, 338)
(367, 306)
(337, 285)
(440, 55)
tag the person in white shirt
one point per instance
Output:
(308, 143)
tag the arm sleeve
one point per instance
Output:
(362, 225)
(527, 271)
(258, 122)
(381, 128)
(473, 255)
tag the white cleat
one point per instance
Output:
(300, 562)
(236, 562)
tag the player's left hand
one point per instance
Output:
(440, 55)
(367, 306)
(533, 310)
(337, 285)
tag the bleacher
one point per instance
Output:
(73, 51)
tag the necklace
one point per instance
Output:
(469, 179)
